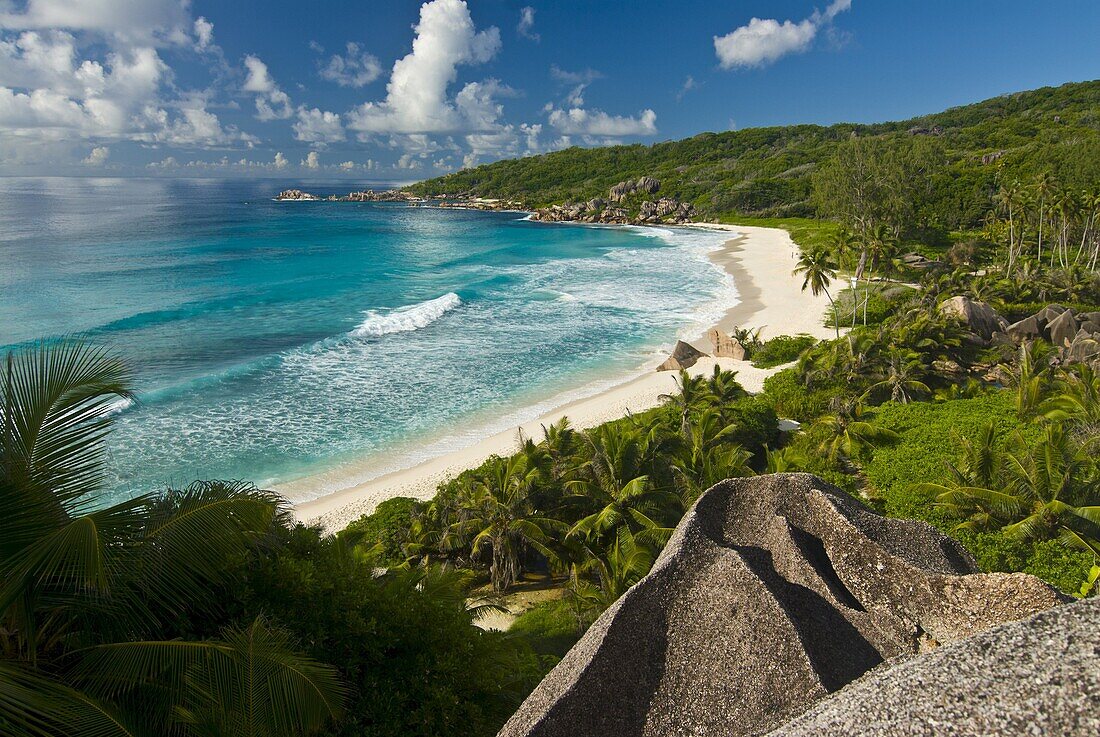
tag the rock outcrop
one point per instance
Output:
(774, 592)
(1039, 676)
(725, 346)
(683, 356)
(596, 210)
(296, 194)
(646, 184)
(980, 318)
(1075, 334)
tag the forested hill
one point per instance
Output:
(769, 171)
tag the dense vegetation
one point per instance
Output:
(208, 611)
(771, 171)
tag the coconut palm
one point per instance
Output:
(901, 380)
(635, 506)
(560, 441)
(1077, 405)
(819, 270)
(88, 589)
(616, 567)
(723, 387)
(1045, 185)
(496, 513)
(708, 456)
(845, 432)
(978, 469)
(1046, 490)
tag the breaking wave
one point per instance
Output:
(405, 319)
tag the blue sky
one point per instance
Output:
(397, 91)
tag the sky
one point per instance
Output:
(398, 90)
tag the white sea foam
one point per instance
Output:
(406, 319)
(115, 406)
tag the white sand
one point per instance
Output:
(760, 260)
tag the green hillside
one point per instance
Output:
(769, 171)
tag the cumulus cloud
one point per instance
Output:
(355, 69)
(97, 157)
(763, 41)
(312, 161)
(573, 118)
(149, 22)
(417, 98)
(579, 121)
(318, 126)
(526, 23)
(93, 70)
(280, 160)
(347, 165)
(271, 102)
(204, 33)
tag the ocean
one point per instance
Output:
(280, 341)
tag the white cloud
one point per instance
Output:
(271, 102)
(416, 95)
(355, 69)
(97, 157)
(406, 161)
(526, 23)
(347, 165)
(204, 33)
(579, 121)
(280, 160)
(312, 161)
(92, 70)
(765, 40)
(317, 126)
(147, 22)
(688, 85)
(166, 163)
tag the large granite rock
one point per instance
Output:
(774, 592)
(725, 346)
(1063, 329)
(979, 317)
(1040, 676)
(683, 356)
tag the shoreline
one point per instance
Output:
(760, 261)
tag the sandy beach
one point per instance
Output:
(770, 297)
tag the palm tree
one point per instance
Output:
(977, 470)
(1008, 199)
(1044, 187)
(87, 588)
(635, 506)
(904, 369)
(560, 441)
(617, 567)
(708, 456)
(1044, 491)
(723, 387)
(1077, 405)
(819, 269)
(846, 433)
(497, 513)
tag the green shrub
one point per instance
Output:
(756, 423)
(550, 628)
(927, 445)
(789, 397)
(385, 527)
(781, 349)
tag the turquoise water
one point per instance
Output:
(275, 341)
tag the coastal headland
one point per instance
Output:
(760, 260)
